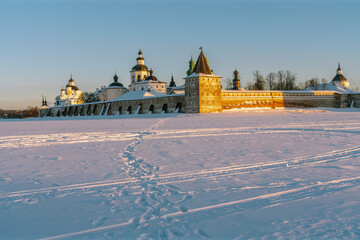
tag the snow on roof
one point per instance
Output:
(201, 75)
(330, 87)
(132, 95)
(177, 92)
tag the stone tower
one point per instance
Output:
(202, 89)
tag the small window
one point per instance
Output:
(138, 77)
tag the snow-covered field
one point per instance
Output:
(266, 174)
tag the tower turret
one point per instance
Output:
(139, 72)
(140, 59)
(236, 80)
(191, 66)
(339, 70)
(172, 82)
(339, 78)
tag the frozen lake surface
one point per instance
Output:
(261, 174)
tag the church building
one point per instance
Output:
(70, 96)
(114, 90)
(143, 79)
(339, 78)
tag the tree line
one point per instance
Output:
(280, 80)
(24, 113)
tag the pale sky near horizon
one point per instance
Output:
(42, 42)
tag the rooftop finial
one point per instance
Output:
(115, 78)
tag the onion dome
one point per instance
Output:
(172, 83)
(71, 79)
(236, 73)
(140, 63)
(73, 87)
(191, 66)
(115, 83)
(139, 67)
(151, 77)
(140, 55)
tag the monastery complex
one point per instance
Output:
(201, 93)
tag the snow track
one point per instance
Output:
(237, 206)
(141, 171)
(86, 137)
(151, 187)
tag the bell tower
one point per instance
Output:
(202, 89)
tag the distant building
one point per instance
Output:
(339, 78)
(143, 79)
(114, 90)
(173, 89)
(44, 106)
(236, 81)
(70, 96)
(339, 84)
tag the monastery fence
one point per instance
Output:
(166, 104)
(274, 99)
(230, 99)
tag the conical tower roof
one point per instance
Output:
(202, 65)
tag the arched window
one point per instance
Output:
(138, 77)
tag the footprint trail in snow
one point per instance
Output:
(154, 200)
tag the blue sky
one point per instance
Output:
(42, 42)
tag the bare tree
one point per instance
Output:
(228, 83)
(270, 79)
(290, 81)
(249, 86)
(280, 75)
(323, 82)
(313, 83)
(259, 81)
